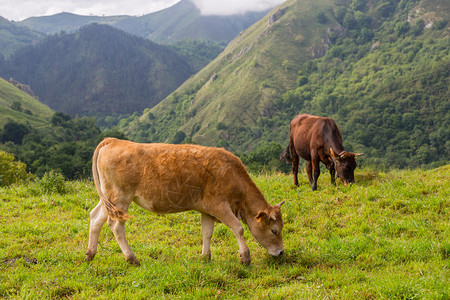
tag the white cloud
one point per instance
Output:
(228, 7)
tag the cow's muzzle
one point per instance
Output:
(276, 253)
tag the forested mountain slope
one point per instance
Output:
(379, 68)
(98, 70)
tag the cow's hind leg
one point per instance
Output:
(207, 223)
(118, 228)
(98, 217)
(295, 161)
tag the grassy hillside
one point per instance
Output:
(380, 69)
(16, 105)
(14, 36)
(236, 87)
(385, 237)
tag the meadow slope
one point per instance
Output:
(385, 237)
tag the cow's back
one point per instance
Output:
(311, 133)
(167, 178)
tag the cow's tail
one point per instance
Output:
(285, 155)
(114, 212)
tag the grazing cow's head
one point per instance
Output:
(267, 229)
(345, 164)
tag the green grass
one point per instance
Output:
(385, 237)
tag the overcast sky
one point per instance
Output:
(17, 10)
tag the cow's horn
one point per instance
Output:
(332, 153)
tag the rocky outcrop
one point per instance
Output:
(277, 15)
(24, 87)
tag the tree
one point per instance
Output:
(60, 119)
(14, 132)
(179, 137)
(321, 18)
(17, 106)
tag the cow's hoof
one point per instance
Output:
(89, 256)
(133, 260)
(205, 257)
(245, 259)
(245, 262)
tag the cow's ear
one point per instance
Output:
(345, 154)
(261, 215)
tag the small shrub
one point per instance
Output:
(438, 25)
(11, 171)
(321, 18)
(445, 250)
(221, 126)
(53, 183)
(178, 138)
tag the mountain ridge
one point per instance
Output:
(179, 21)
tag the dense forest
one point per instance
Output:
(65, 147)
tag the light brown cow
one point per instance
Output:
(166, 178)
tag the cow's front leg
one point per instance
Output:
(227, 217)
(316, 173)
(98, 217)
(118, 228)
(207, 223)
(333, 175)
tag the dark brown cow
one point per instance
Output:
(318, 139)
(166, 178)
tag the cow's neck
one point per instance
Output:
(252, 204)
(336, 145)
